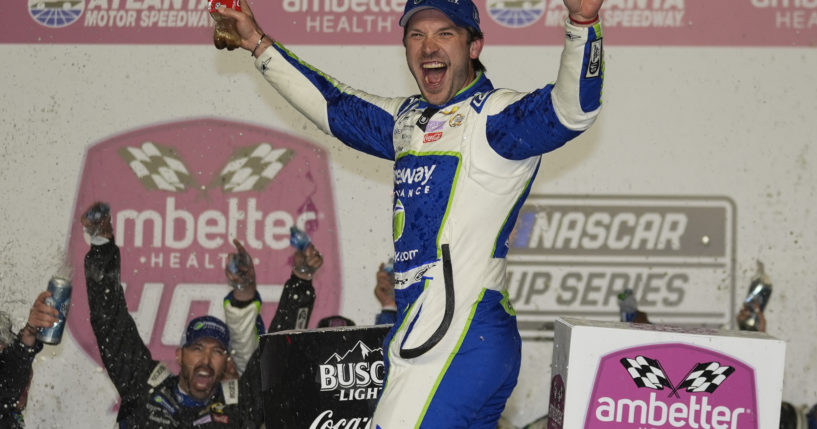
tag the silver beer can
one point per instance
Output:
(60, 299)
(760, 291)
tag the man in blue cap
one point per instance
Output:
(465, 155)
(203, 356)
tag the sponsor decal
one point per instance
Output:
(398, 220)
(55, 13)
(413, 181)
(670, 386)
(478, 101)
(230, 390)
(202, 420)
(571, 256)
(432, 137)
(345, 366)
(516, 13)
(594, 63)
(326, 420)
(355, 375)
(556, 408)
(179, 193)
(419, 175)
(163, 402)
(425, 117)
(158, 375)
(456, 121)
(435, 126)
(301, 321)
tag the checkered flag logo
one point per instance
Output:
(253, 168)
(646, 372)
(157, 167)
(706, 377)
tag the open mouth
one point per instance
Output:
(433, 73)
(202, 378)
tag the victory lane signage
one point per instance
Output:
(179, 193)
(375, 22)
(673, 385)
(323, 378)
(612, 375)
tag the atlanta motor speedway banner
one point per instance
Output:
(374, 22)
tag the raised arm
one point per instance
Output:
(524, 125)
(361, 121)
(124, 355)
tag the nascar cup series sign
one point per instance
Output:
(179, 194)
(571, 256)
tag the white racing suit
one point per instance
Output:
(461, 173)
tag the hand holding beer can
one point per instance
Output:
(760, 291)
(60, 299)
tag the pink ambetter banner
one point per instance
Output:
(179, 193)
(674, 385)
(375, 22)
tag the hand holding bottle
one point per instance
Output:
(240, 272)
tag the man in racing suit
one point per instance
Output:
(465, 156)
(152, 397)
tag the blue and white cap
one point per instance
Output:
(464, 13)
(206, 327)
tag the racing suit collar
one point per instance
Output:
(188, 401)
(480, 84)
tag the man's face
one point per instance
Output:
(439, 55)
(202, 367)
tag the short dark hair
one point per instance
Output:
(473, 34)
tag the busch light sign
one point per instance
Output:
(179, 194)
(322, 378)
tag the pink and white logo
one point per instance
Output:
(664, 386)
(179, 193)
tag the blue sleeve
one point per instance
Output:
(546, 119)
(529, 127)
(386, 317)
(361, 121)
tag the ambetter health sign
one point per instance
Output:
(179, 193)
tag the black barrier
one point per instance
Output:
(318, 378)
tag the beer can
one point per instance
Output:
(760, 290)
(60, 299)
